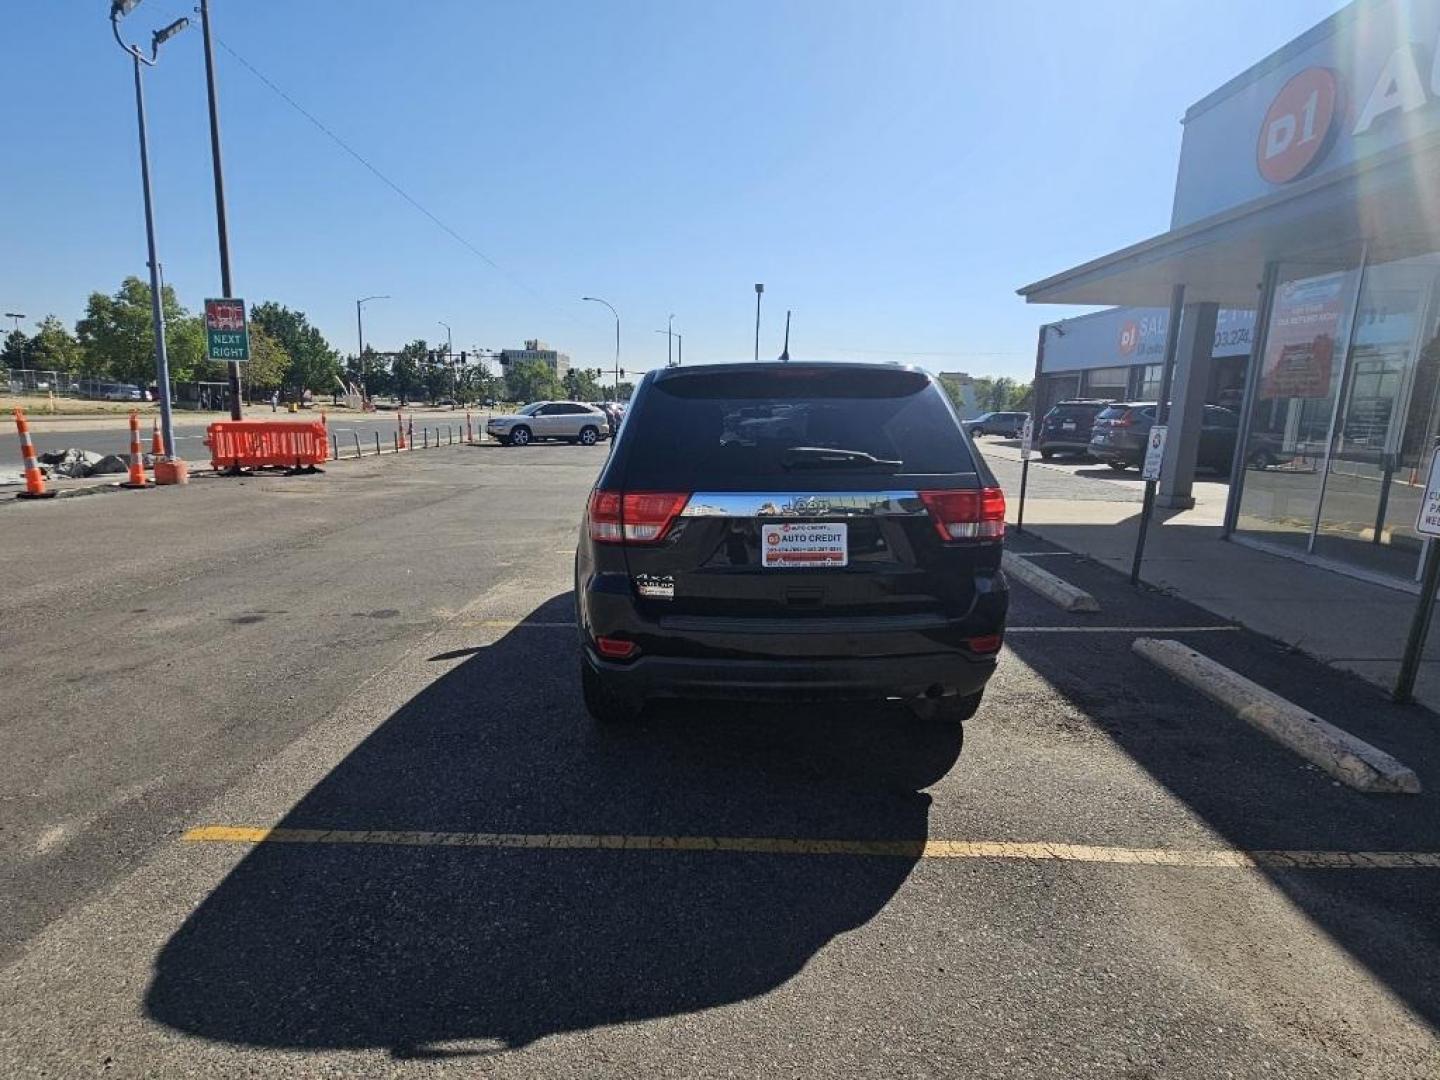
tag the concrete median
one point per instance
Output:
(1348, 759)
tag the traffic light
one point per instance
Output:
(463, 356)
(431, 356)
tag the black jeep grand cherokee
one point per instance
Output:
(791, 531)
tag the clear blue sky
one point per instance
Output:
(891, 171)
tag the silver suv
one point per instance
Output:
(573, 421)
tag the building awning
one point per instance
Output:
(1389, 200)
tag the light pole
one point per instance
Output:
(597, 300)
(759, 290)
(360, 333)
(669, 347)
(449, 356)
(17, 316)
(118, 10)
(221, 225)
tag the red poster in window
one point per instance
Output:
(1300, 348)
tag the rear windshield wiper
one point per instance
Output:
(825, 457)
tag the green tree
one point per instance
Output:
(267, 366)
(17, 348)
(584, 384)
(624, 391)
(54, 347)
(531, 380)
(408, 370)
(314, 365)
(118, 337)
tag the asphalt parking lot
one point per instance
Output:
(299, 783)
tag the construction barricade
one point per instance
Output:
(260, 444)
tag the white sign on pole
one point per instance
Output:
(1027, 436)
(1155, 451)
(1427, 522)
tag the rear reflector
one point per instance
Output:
(987, 644)
(618, 649)
(967, 515)
(637, 517)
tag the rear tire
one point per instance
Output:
(1118, 466)
(951, 710)
(1046, 455)
(603, 702)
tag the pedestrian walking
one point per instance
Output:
(274, 400)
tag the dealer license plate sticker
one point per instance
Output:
(804, 543)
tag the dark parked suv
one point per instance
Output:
(1121, 431)
(791, 531)
(1066, 428)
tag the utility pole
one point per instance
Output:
(360, 333)
(449, 356)
(669, 342)
(785, 353)
(679, 349)
(118, 10)
(221, 223)
(759, 291)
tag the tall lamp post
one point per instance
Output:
(759, 291)
(221, 224)
(597, 300)
(17, 316)
(118, 10)
(360, 333)
(673, 337)
(449, 356)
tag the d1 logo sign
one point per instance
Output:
(1299, 126)
(1129, 337)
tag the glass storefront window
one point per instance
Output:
(1383, 425)
(1295, 396)
(1148, 388)
(1345, 413)
(1107, 383)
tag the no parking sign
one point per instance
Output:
(1155, 451)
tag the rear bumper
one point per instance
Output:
(1074, 445)
(1130, 455)
(791, 658)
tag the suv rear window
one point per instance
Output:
(1075, 412)
(722, 431)
(1113, 412)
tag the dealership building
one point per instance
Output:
(1300, 270)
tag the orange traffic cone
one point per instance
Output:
(469, 431)
(137, 456)
(157, 444)
(34, 478)
(400, 422)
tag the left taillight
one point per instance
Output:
(636, 517)
(967, 515)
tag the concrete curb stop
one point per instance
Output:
(1348, 759)
(1061, 593)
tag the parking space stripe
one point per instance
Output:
(1221, 858)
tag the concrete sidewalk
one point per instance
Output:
(1343, 622)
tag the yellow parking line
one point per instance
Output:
(1220, 858)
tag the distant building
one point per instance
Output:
(537, 351)
(962, 391)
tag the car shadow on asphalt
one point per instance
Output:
(432, 951)
(1254, 793)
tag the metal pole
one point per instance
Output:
(357, 443)
(679, 349)
(1024, 480)
(157, 305)
(1419, 626)
(670, 342)
(759, 291)
(1162, 416)
(233, 368)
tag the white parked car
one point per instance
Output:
(573, 421)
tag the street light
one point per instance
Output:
(360, 333)
(221, 220)
(449, 357)
(597, 300)
(679, 348)
(759, 289)
(18, 315)
(118, 10)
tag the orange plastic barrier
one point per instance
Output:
(256, 444)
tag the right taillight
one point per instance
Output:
(967, 515)
(1126, 419)
(636, 517)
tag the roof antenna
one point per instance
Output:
(785, 356)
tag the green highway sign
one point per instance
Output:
(227, 336)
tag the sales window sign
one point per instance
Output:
(227, 334)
